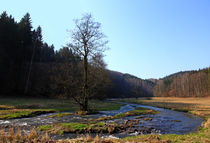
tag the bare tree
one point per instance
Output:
(88, 41)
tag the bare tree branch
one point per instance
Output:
(87, 41)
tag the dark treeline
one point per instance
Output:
(20, 47)
(128, 86)
(185, 84)
(29, 66)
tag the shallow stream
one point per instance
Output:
(166, 122)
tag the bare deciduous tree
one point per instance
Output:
(88, 41)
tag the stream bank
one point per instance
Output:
(165, 122)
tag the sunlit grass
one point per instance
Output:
(76, 127)
(137, 112)
(21, 113)
(60, 115)
(11, 108)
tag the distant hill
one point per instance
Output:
(126, 86)
(195, 83)
(153, 80)
(184, 84)
(176, 74)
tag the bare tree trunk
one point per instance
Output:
(85, 88)
(87, 41)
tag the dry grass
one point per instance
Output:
(18, 137)
(33, 137)
(197, 106)
(89, 139)
(97, 139)
(207, 124)
(202, 102)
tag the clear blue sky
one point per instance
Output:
(147, 38)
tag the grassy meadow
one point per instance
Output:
(11, 108)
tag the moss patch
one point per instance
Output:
(44, 127)
(138, 111)
(60, 115)
(21, 113)
(76, 127)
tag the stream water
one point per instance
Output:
(166, 122)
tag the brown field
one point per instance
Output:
(197, 106)
(190, 100)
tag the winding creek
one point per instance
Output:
(166, 122)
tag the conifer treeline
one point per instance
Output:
(20, 47)
(185, 84)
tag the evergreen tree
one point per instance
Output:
(26, 37)
(37, 44)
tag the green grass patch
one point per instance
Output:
(138, 111)
(18, 113)
(60, 115)
(11, 108)
(61, 105)
(76, 127)
(44, 127)
(180, 110)
(99, 105)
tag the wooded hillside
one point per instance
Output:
(185, 84)
(128, 86)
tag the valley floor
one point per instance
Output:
(11, 108)
(197, 106)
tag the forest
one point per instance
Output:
(30, 67)
(185, 84)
